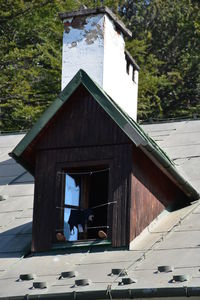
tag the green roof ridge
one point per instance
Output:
(139, 128)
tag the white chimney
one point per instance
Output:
(93, 40)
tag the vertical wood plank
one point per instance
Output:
(151, 192)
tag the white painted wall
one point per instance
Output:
(92, 43)
(83, 48)
(116, 82)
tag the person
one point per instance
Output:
(60, 237)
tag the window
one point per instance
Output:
(127, 67)
(72, 202)
(85, 204)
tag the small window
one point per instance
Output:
(133, 75)
(127, 67)
(85, 204)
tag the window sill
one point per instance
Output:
(81, 244)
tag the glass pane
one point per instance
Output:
(72, 197)
(72, 190)
(73, 235)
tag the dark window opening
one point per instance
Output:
(127, 67)
(133, 75)
(86, 204)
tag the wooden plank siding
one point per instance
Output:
(151, 191)
(80, 135)
(81, 123)
(43, 202)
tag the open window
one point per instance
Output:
(85, 204)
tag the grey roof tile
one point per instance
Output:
(8, 261)
(5, 158)
(10, 140)
(182, 145)
(7, 217)
(17, 227)
(180, 240)
(9, 169)
(25, 178)
(187, 225)
(183, 152)
(16, 204)
(158, 257)
(4, 181)
(16, 243)
(18, 190)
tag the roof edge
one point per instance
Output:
(131, 59)
(128, 293)
(46, 116)
(22, 162)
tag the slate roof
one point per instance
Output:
(123, 120)
(173, 239)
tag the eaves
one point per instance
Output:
(125, 294)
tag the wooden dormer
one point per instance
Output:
(85, 140)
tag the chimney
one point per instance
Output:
(93, 40)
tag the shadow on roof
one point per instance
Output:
(16, 242)
(12, 173)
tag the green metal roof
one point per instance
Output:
(123, 120)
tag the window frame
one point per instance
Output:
(82, 166)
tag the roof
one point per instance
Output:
(171, 240)
(124, 121)
(94, 11)
(180, 140)
(16, 206)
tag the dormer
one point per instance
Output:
(86, 154)
(98, 177)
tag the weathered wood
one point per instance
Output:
(43, 203)
(81, 123)
(81, 135)
(121, 194)
(151, 191)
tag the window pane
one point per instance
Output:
(73, 235)
(72, 190)
(72, 197)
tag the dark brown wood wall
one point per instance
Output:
(82, 122)
(151, 191)
(81, 135)
(43, 209)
